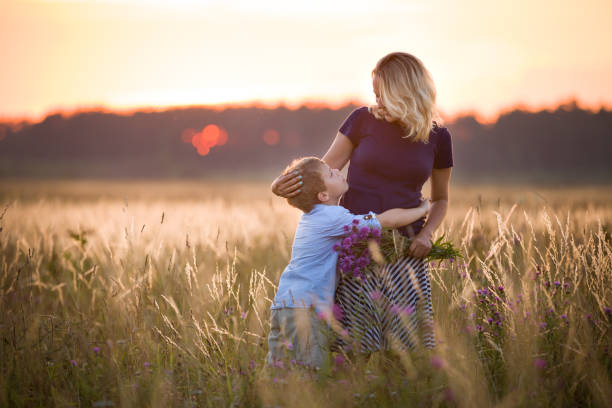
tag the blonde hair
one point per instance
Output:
(407, 94)
(311, 170)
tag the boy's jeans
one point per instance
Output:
(297, 333)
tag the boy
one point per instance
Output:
(306, 287)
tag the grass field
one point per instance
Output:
(158, 294)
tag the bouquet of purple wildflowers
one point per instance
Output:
(361, 247)
(354, 257)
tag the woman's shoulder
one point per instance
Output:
(439, 133)
(361, 112)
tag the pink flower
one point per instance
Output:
(96, 349)
(375, 294)
(337, 311)
(437, 362)
(539, 363)
(339, 360)
(408, 310)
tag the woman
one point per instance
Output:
(393, 148)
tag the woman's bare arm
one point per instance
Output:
(440, 181)
(337, 156)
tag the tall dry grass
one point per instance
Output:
(149, 294)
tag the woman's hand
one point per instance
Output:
(421, 245)
(287, 185)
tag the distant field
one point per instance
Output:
(157, 294)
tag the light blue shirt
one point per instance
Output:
(310, 277)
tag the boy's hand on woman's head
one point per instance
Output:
(287, 185)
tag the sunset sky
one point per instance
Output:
(485, 56)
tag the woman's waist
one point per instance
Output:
(360, 201)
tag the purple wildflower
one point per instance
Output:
(278, 364)
(408, 310)
(564, 316)
(543, 325)
(337, 311)
(539, 363)
(338, 360)
(375, 294)
(557, 283)
(96, 349)
(607, 310)
(500, 288)
(437, 362)
(73, 362)
(147, 364)
(356, 222)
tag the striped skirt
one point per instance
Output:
(389, 309)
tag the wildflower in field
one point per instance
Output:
(607, 310)
(338, 360)
(408, 310)
(147, 364)
(279, 364)
(449, 395)
(564, 316)
(375, 294)
(500, 288)
(437, 362)
(543, 325)
(395, 309)
(96, 349)
(557, 283)
(73, 362)
(566, 285)
(243, 315)
(539, 363)
(337, 311)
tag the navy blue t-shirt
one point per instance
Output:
(388, 171)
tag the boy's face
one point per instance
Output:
(335, 183)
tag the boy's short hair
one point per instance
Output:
(310, 168)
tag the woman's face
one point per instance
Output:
(376, 91)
